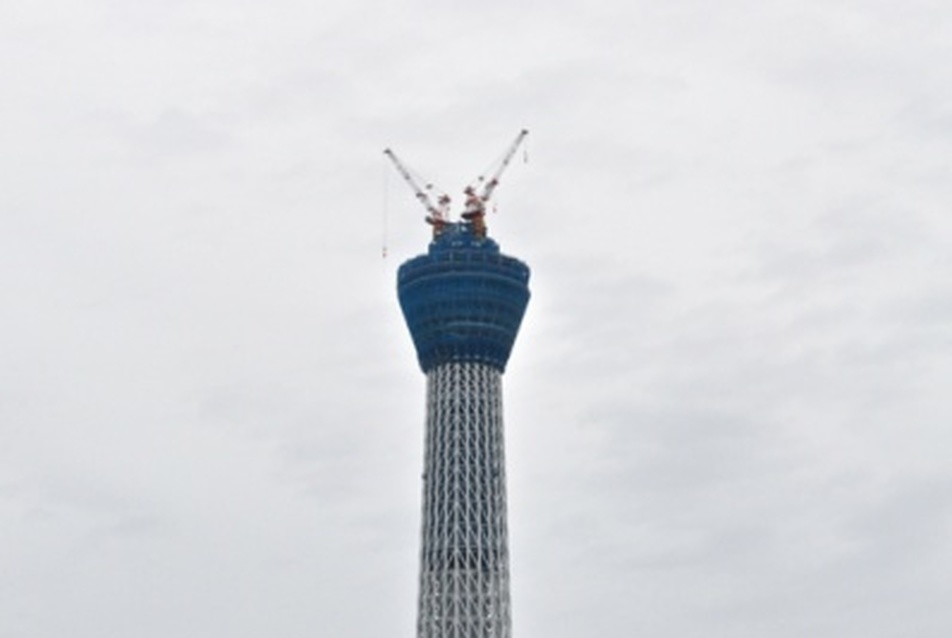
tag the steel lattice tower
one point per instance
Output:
(463, 302)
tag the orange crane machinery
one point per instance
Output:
(437, 213)
(475, 206)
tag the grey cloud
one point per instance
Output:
(726, 413)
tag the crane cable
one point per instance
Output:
(386, 206)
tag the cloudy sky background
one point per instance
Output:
(727, 412)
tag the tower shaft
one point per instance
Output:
(463, 302)
(464, 563)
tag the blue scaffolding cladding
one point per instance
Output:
(464, 300)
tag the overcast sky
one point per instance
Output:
(727, 413)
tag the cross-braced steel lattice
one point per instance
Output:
(464, 571)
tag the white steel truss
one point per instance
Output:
(464, 563)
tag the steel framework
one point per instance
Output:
(464, 563)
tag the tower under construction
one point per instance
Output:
(463, 302)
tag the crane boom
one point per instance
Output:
(493, 182)
(437, 213)
(475, 206)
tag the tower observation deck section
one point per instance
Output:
(463, 302)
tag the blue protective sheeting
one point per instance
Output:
(463, 300)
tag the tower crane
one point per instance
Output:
(475, 207)
(477, 194)
(438, 212)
